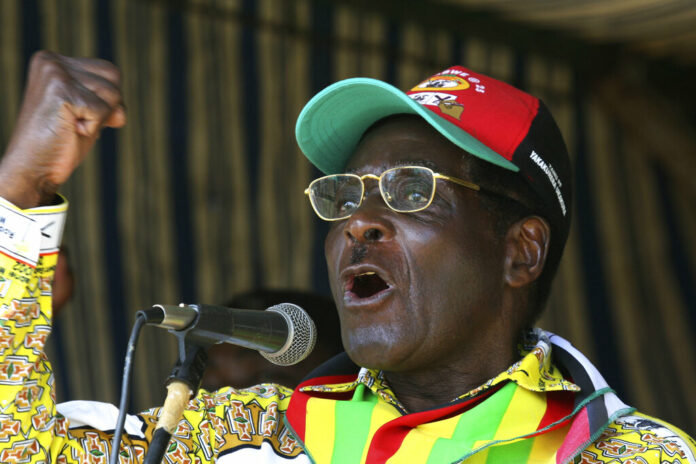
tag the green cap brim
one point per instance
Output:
(332, 123)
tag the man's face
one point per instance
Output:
(414, 290)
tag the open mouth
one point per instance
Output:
(367, 284)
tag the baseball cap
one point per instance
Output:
(486, 117)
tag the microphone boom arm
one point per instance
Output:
(265, 331)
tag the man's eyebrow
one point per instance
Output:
(418, 162)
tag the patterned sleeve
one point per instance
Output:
(29, 428)
(638, 438)
(225, 426)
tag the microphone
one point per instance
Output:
(284, 334)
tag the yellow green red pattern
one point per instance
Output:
(532, 418)
(509, 413)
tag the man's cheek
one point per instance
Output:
(332, 255)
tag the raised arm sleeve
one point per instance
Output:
(29, 240)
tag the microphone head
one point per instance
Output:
(302, 335)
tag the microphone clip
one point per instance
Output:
(190, 366)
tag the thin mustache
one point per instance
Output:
(358, 253)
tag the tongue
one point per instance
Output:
(367, 285)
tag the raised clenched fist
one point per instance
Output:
(67, 102)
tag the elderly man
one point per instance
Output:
(450, 206)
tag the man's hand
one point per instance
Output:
(67, 102)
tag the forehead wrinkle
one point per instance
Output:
(413, 162)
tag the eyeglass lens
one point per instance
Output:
(407, 189)
(337, 196)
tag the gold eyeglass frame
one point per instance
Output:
(385, 195)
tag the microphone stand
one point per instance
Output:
(182, 384)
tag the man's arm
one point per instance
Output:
(66, 104)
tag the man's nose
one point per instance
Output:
(371, 222)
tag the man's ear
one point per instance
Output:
(526, 247)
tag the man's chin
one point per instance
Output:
(375, 355)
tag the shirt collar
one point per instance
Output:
(534, 372)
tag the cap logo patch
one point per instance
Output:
(443, 91)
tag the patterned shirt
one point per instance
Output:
(250, 425)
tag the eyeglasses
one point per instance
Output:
(405, 189)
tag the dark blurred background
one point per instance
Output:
(200, 197)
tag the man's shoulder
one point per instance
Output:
(642, 439)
